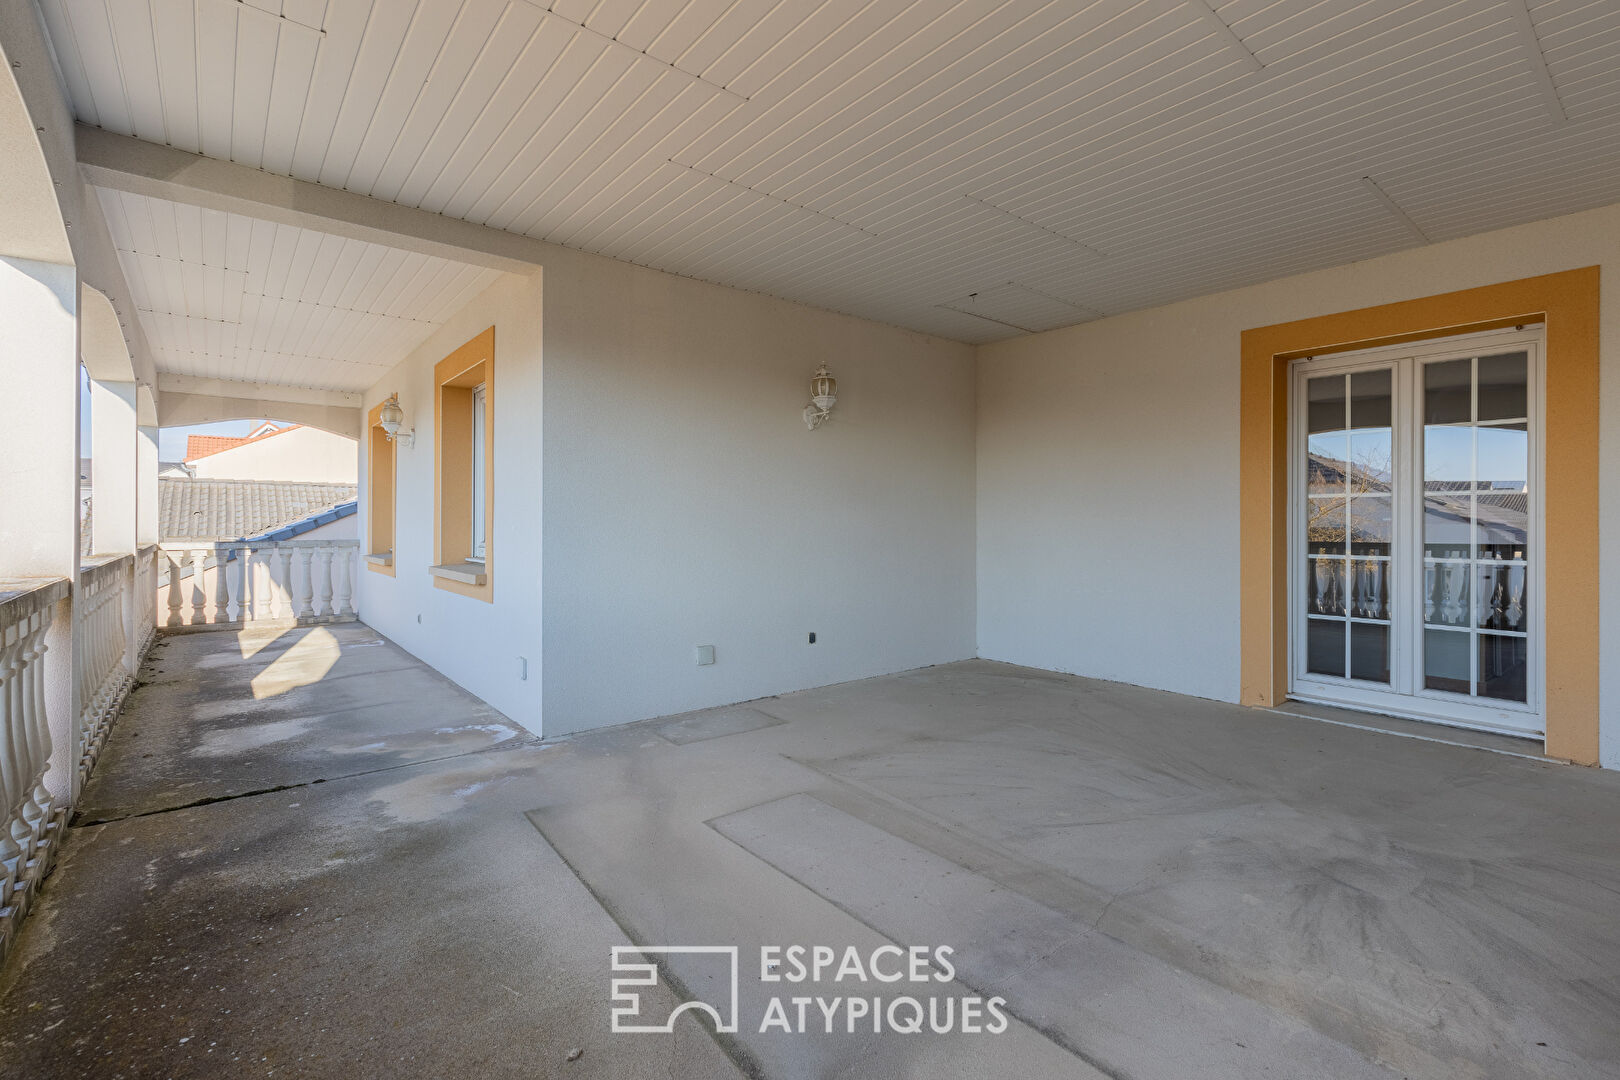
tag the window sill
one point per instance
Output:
(468, 573)
(382, 558)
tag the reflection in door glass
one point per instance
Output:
(1476, 525)
(1349, 523)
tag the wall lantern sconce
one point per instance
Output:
(391, 417)
(823, 395)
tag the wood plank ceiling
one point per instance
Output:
(974, 169)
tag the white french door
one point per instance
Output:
(1415, 533)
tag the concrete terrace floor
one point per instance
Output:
(306, 854)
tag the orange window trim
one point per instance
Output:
(380, 517)
(453, 380)
(1568, 303)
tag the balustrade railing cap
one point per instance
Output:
(31, 591)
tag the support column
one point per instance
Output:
(114, 475)
(39, 471)
(146, 486)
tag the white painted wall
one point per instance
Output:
(686, 503)
(1108, 530)
(303, 453)
(475, 643)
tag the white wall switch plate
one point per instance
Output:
(705, 655)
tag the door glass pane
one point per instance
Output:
(1349, 511)
(1445, 594)
(1369, 652)
(1448, 392)
(1324, 404)
(1504, 667)
(1371, 458)
(1324, 587)
(1328, 449)
(1446, 521)
(1324, 646)
(1324, 527)
(1504, 458)
(1371, 526)
(1502, 386)
(1502, 597)
(1502, 526)
(1370, 398)
(1448, 458)
(1445, 660)
(1369, 589)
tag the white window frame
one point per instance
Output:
(479, 496)
(1405, 694)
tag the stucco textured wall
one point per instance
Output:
(687, 504)
(1107, 505)
(477, 644)
(304, 453)
(652, 469)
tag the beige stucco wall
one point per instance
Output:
(1108, 525)
(653, 471)
(306, 453)
(686, 503)
(488, 648)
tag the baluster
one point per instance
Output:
(323, 581)
(247, 593)
(343, 563)
(222, 585)
(13, 750)
(231, 585)
(176, 561)
(92, 650)
(35, 737)
(1515, 609)
(1451, 603)
(272, 557)
(40, 725)
(264, 596)
(287, 582)
(199, 592)
(306, 591)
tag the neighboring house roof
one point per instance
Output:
(201, 446)
(311, 523)
(201, 509)
(174, 468)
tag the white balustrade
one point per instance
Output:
(144, 613)
(27, 809)
(237, 583)
(106, 668)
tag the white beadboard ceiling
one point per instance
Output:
(973, 169)
(231, 297)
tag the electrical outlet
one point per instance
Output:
(705, 655)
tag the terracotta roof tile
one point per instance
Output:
(201, 446)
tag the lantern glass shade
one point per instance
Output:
(823, 389)
(391, 416)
